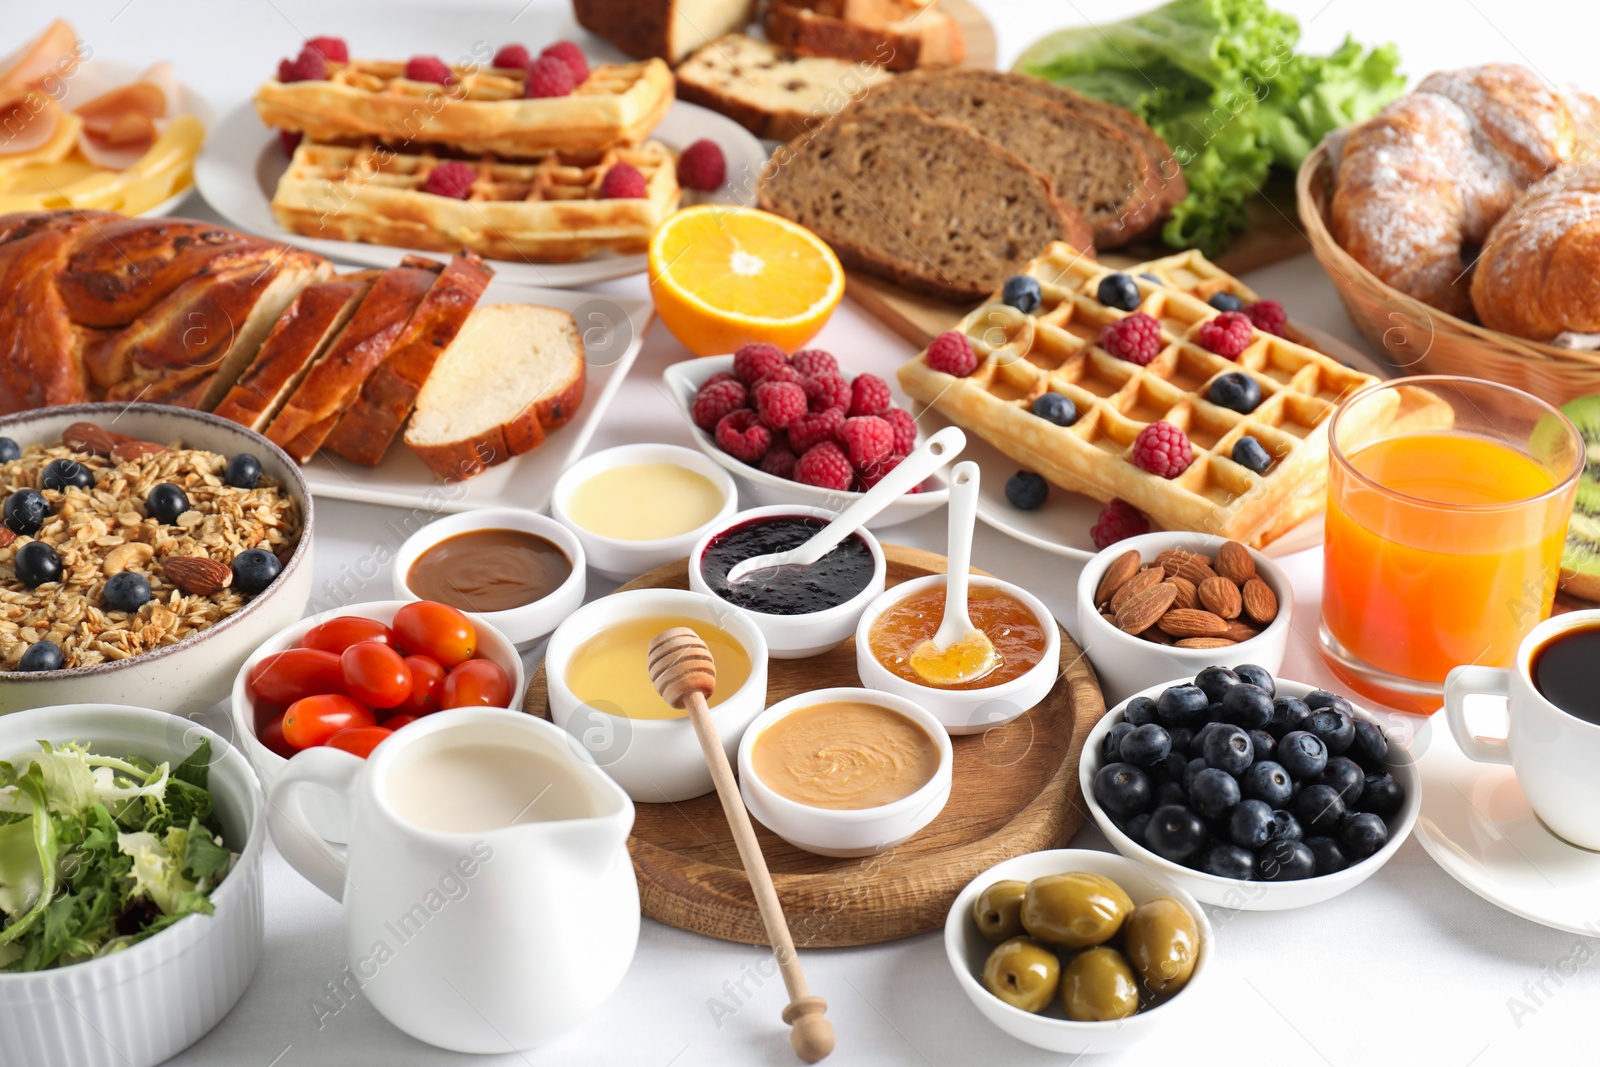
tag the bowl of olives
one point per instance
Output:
(1253, 793)
(1076, 951)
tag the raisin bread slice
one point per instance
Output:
(773, 94)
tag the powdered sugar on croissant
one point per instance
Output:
(1539, 275)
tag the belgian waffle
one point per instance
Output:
(482, 111)
(1056, 348)
(542, 211)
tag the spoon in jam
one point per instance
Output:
(959, 651)
(939, 449)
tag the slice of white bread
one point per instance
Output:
(773, 94)
(514, 373)
(670, 29)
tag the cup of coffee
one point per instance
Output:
(1553, 708)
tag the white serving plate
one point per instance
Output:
(239, 169)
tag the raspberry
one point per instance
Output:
(780, 404)
(714, 400)
(742, 437)
(451, 179)
(549, 76)
(814, 363)
(871, 476)
(572, 56)
(1118, 520)
(1136, 338)
(754, 362)
(1227, 335)
(1268, 316)
(868, 440)
(290, 140)
(905, 430)
(814, 429)
(308, 66)
(622, 182)
(702, 166)
(1162, 449)
(511, 57)
(428, 69)
(783, 373)
(952, 353)
(780, 463)
(720, 376)
(827, 391)
(824, 466)
(869, 395)
(332, 49)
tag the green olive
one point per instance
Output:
(1022, 973)
(1074, 910)
(1163, 942)
(1097, 985)
(998, 910)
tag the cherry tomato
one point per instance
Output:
(427, 678)
(310, 722)
(375, 674)
(476, 683)
(426, 628)
(394, 722)
(271, 735)
(284, 677)
(359, 740)
(336, 635)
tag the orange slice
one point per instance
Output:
(724, 276)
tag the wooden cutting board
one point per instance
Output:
(977, 32)
(1015, 790)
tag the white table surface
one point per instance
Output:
(1410, 963)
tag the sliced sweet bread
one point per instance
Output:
(771, 93)
(670, 29)
(929, 38)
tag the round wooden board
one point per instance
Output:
(1015, 790)
(977, 33)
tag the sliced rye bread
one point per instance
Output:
(513, 374)
(771, 93)
(670, 29)
(928, 39)
(311, 411)
(1091, 164)
(387, 396)
(301, 336)
(925, 202)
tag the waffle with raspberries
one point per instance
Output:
(549, 210)
(1184, 474)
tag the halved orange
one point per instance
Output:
(725, 276)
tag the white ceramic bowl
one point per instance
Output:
(845, 832)
(967, 949)
(146, 1003)
(684, 379)
(963, 711)
(797, 636)
(1126, 664)
(1256, 896)
(328, 815)
(525, 624)
(622, 560)
(192, 674)
(654, 760)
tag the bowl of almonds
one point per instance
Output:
(1163, 605)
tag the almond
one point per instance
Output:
(1186, 592)
(1172, 558)
(1154, 634)
(87, 437)
(1141, 611)
(1131, 588)
(1220, 597)
(1191, 622)
(1122, 568)
(197, 575)
(1196, 569)
(126, 451)
(1235, 561)
(1204, 642)
(1259, 603)
(1238, 631)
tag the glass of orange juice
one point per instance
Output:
(1448, 501)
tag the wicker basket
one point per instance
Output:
(1420, 339)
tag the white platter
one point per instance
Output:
(238, 172)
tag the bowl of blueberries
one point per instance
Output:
(1253, 793)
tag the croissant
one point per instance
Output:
(1539, 274)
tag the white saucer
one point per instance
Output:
(1477, 824)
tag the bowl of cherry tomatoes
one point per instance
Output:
(349, 678)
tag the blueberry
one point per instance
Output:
(1197, 744)
(1370, 748)
(1346, 778)
(1286, 826)
(1330, 857)
(1259, 677)
(1170, 793)
(1321, 698)
(1139, 711)
(243, 471)
(1182, 738)
(1228, 861)
(1250, 824)
(1268, 781)
(42, 656)
(1053, 407)
(1362, 835)
(1175, 833)
(254, 570)
(1264, 744)
(1225, 302)
(1235, 391)
(1228, 748)
(1247, 706)
(1122, 789)
(1118, 291)
(1146, 745)
(166, 502)
(1319, 808)
(1171, 769)
(1026, 490)
(59, 474)
(125, 591)
(1182, 705)
(25, 511)
(1134, 827)
(1213, 792)
(9, 450)
(1248, 453)
(1283, 860)
(1214, 712)
(1303, 754)
(1382, 795)
(1336, 728)
(1111, 744)
(1216, 681)
(1021, 291)
(37, 563)
(1288, 714)
(1196, 765)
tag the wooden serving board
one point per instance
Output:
(1015, 791)
(977, 33)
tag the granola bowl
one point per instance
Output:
(181, 647)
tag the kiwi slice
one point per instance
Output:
(1580, 563)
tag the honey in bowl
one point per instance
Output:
(489, 570)
(609, 671)
(1012, 627)
(644, 502)
(845, 755)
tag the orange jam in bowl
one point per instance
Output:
(1015, 631)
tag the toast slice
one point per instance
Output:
(929, 38)
(773, 94)
(514, 373)
(867, 12)
(364, 431)
(670, 29)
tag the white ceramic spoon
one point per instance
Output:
(934, 453)
(958, 651)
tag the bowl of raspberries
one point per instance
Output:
(799, 430)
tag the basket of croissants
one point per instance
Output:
(1461, 227)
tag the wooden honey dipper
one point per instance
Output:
(683, 672)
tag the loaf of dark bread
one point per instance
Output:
(670, 29)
